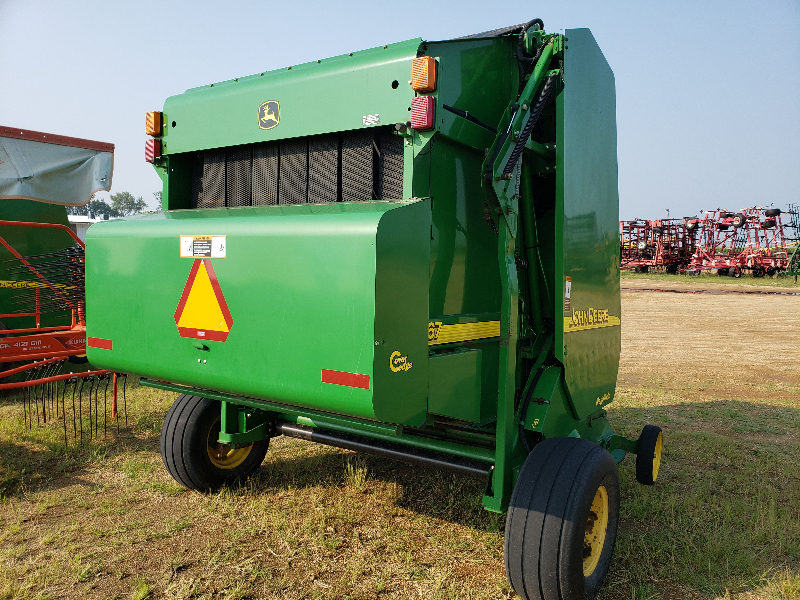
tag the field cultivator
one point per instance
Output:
(663, 243)
(753, 239)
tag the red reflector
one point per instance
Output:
(98, 343)
(152, 150)
(422, 112)
(345, 378)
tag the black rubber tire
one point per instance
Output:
(692, 225)
(772, 212)
(735, 273)
(739, 220)
(672, 269)
(723, 226)
(548, 517)
(758, 272)
(648, 451)
(184, 439)
(771, 271)
(768, 223)
(725, 215)
(722, 272)
(657, 230)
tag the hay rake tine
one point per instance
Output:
(80, 407)
(124, 399)
(96, 413)
(91, 388)
(74, 382)
(64, 413)
(105, 406)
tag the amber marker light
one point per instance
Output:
(153, 123)
(423, 74)
(152, 150)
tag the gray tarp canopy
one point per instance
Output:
(53, 168)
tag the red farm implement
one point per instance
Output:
(752, 239)
(662, 243)
(42, 278)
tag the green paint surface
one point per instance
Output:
(313, 287)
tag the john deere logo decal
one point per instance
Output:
(269, 114)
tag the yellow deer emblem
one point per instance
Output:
(269, 114)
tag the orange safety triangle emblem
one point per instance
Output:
(202, 312)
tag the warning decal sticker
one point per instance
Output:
(202, 312)
(202, 246)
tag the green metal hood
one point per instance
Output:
(356, 90)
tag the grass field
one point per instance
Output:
(720, 374)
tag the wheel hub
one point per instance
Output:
(595, 536)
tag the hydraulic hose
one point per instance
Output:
(526, 63)
(532, 119)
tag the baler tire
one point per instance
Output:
(562, 520)
(185, 447)
(648, 454)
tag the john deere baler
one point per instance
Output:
(410, 251)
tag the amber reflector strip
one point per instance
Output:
(152, 150)
(423, 74)
(153, 123)
(422, 112)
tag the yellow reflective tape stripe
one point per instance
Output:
(461, 332)
(10, 283)
(571, 325)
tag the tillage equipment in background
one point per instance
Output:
(410, 251)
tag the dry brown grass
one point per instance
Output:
(719, 373)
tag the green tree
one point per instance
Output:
(159, 201)
(94, 207)
(124, 204)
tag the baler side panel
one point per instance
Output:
(299, 282)
(587, 323)
(400, 388)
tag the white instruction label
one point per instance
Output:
(203, 246)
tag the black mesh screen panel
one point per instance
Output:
(265, 174)
(211, 192)
(293, 178)
(323, 168)
(238, 170)
(390, 170)
(197, 180)
(357, 165)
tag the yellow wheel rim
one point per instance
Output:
(595, 537)
(223, 456)
(657, 456)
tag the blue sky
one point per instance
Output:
(708, 93)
